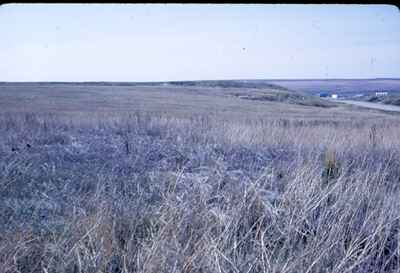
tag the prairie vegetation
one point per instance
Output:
(178, 98)
(203, 193)
(389, 99)
(286, 97)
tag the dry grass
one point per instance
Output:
(157, 193)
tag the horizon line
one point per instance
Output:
(173, 81)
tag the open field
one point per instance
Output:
(109, 99)
(100, 178)
(179, 99)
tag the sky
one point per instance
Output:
(164, 42)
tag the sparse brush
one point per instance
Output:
(373, 136)
(331, 166)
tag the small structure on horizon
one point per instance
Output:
(334, 96)
(382, 93)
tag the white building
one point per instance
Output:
(378, 94)
(334, 96)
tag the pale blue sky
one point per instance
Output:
(194, 42)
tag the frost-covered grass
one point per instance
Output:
(141, 193)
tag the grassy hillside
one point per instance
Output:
(286, 97)
(180, 100)
(205, 83)
(229, 84)
(389, 99)
(340, 86)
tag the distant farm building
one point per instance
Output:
(378, 94)
(334, 96)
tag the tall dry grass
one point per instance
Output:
(141, 193)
